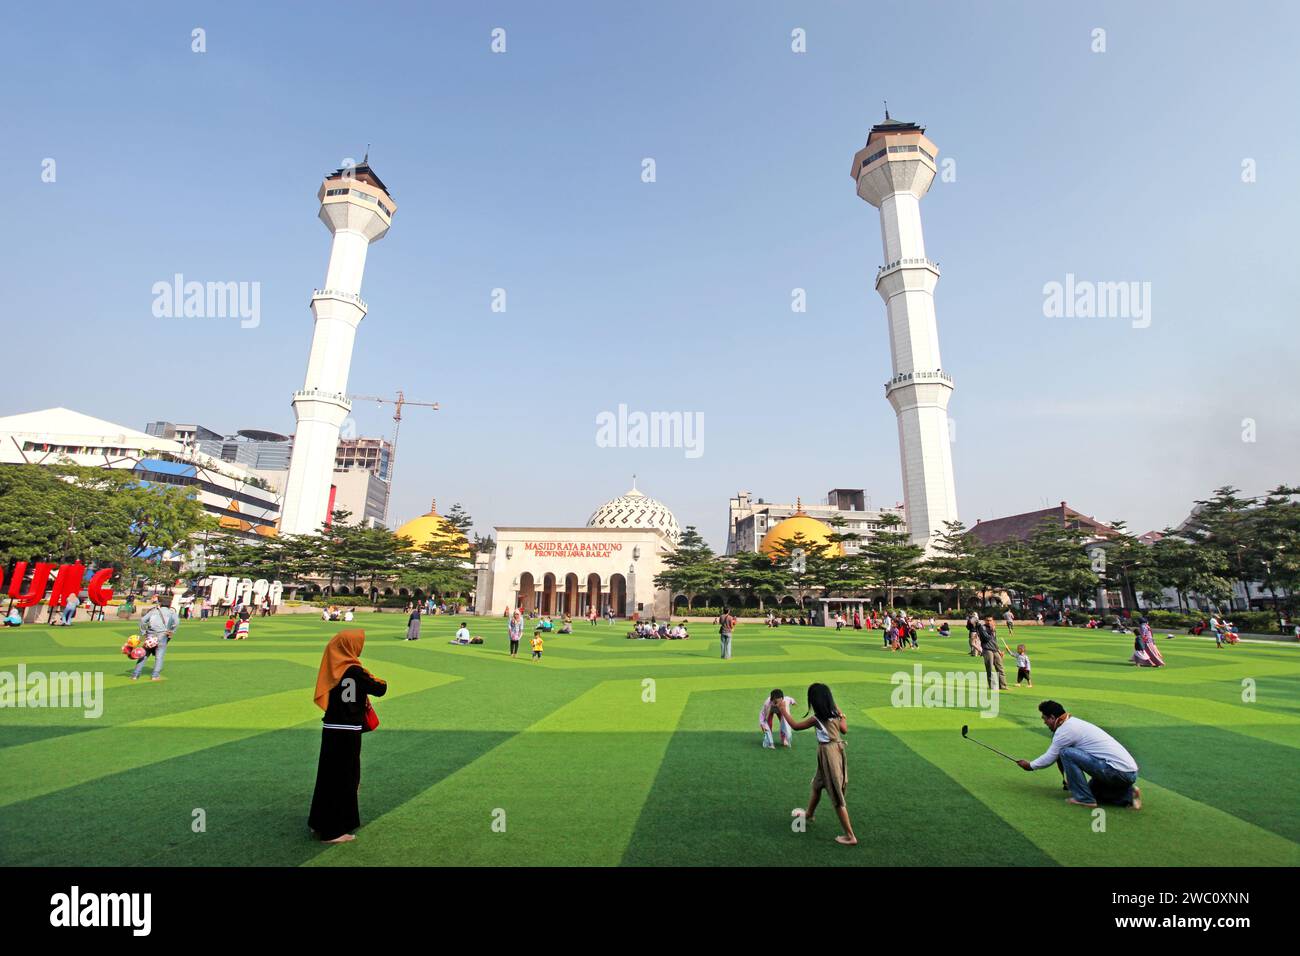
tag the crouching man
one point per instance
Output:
(1085, 751)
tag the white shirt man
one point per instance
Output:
(1085, 750)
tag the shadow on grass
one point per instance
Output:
(254, 794)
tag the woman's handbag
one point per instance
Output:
(370, 719)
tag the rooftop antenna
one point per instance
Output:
(886, 102)
(365, 160)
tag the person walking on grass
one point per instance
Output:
(1084, 751)
(988, 638)
(516, 630)
(1011, 621)
(832, 770)
(159, 623)
(726, 625)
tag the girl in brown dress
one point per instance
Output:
(832, 771)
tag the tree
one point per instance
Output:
(755, 574)
(806, 564)
(1222, 524)
(1058, 562)
(891, 557)
(1130, 566)
(437, 568)
(845, 570)
(99, 516)
(459, 519)
(955, 561)
(692, 568)
(1187, 567)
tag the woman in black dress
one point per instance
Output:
(343, 689)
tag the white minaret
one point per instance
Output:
(893, 171)
(355, 205)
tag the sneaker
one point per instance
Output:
(155, 678)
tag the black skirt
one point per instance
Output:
(334, 810)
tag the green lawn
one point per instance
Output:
(587, 772)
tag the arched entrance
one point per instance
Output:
(548, 593)
(527, 596)
(570, 597)
(618, 595)
(593, 594)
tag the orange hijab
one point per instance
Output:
(343, 650)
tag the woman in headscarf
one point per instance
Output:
(343, 689)
(1145, 652)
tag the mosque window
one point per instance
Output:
(336, 192)
(872, 158)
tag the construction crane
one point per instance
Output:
(397, 404)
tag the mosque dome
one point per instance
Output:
(635, 510)
(431, 527)
(813, 531)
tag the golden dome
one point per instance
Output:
(431, 527)
(813, 531)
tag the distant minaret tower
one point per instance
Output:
(893, 171)
(356, 206)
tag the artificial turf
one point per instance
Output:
(582, 768)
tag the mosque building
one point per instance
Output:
(802, 527)
(609, 564)
(432, 527)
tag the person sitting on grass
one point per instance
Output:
(1086, 751)
(832, 770)
(944, 630)
(1145, 652)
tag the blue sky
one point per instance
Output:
(522, 171)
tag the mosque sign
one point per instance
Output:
(573, 549)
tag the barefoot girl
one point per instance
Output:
(832, 772)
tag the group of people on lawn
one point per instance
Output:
(659, 630)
